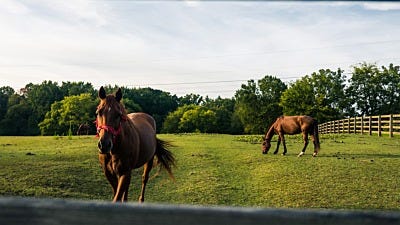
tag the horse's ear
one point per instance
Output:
(102, 93)
(118, 95)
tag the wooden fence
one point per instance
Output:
(50, 211)
(382, 124)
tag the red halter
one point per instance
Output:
(114, 132)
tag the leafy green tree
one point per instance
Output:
(154, 102)
(226, 122)
(271, 89)
(320, 95)
(390, 100)
(77, 88)
(171, 122)
(373, 91)
(19, 120)
(5, 93)
(257, 104)
(69, 113)
(364, 88)
(190, 99)
(41, 96)
(131, 106)
(299, 98)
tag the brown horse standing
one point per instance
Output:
(292, 125)
(127, 142)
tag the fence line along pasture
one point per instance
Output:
(381, 124)
(51, 211)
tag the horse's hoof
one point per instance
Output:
(314, 154)
(300, 154)
(283, 154)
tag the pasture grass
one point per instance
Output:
(351, 172)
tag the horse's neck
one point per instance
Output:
(270, 133)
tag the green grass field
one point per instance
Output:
(351, 172)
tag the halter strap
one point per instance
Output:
(114, 132)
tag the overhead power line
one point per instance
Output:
(197, 82)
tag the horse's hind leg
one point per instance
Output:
(316, 145)
(145, 177)
(305, 139)
(283, 143)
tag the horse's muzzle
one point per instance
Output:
(264, 152)
(104, 146)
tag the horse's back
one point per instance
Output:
(146, 128)
(142, 119)
(296, 124)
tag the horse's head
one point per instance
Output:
(110, 114)
(266, 145)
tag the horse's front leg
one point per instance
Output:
(277, 145)
(145, 177)
(121, 194)
(105, 160)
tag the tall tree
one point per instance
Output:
(77, 88)
(257, 104)
(154, 102)
(198, 119)
(320, 95)
(5, 93)
(190, 99)
(41, 96)
(19, 120)
(171, 122)
(390, 88)
(372, 91)
(66, 115)
(226, 122)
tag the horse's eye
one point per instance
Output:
(99, 112)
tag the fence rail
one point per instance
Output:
(381, 124)
(48, 211)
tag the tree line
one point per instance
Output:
(50, 108)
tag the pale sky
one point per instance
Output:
(207, 47)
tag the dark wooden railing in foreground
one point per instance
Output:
(51, 211)
(382, 124)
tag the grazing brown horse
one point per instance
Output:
(292, 125)
(127, 142)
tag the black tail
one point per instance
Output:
(316, 137)
(164, 157)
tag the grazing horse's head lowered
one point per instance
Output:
(110, 115)
(266, 145)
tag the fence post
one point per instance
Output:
(362, 125)
(391, 125)
(370, 125)
(379, 126)
(342, 123)
(355, 125)
(348, 125)
(334, 126)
